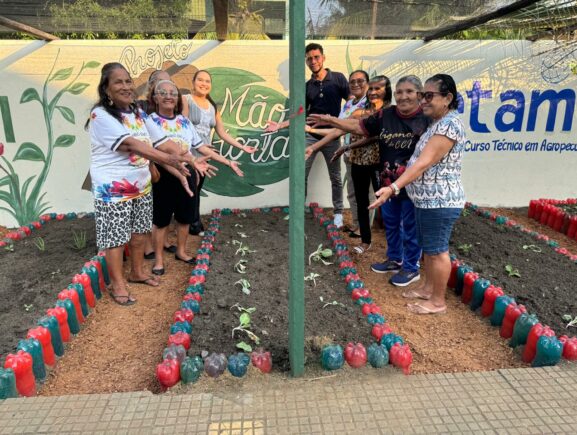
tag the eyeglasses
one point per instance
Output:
(358, 82)
(165, 94)
(428, 96)
(375, 88)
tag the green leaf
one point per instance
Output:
(29, 151)
(61, 74)
(66, 113)
(244, 320)
(567, 317)
(29, 95)
(326, 253)
(64, 141)
(77, 88)
(5, 180)
(244, 346)
(25, 186)
(91, 64)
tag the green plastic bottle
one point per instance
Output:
(34, 348)
(68, 305)
(523, 325)
(189, 371)
(102, 260)
(82, 296)
(7, 384)
(92, 272)
(51, 323)
(479, 288)
(461, 271)
(501, 304)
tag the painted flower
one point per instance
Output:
(105, 193)
(1, 148)
(125, 188)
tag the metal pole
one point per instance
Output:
(296, 301)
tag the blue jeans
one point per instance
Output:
(401, 231)
(434, 227)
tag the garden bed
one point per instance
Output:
(547, 279)
(31, 278)
(267, 271)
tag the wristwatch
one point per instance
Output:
(396, 189)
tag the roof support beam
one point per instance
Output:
(477, 21)
(11, 24)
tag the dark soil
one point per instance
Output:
(30, 279)
(267, 272)
(548, 280)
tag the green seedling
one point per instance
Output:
(466, 212)
(9, 247)
(312, 277)
(244, 323)
(245, 285)
(465, 248)
(28, 307)
(242, 235)
(237, 225)
(242, 249)
(533, 248)
(511, 271)
(331, 303)
(572, 321)
(240, 266)
(40, 244)
(287, 217)
(79, 240)
(320, 254)
(242, 214)
(264, 231)
(244, 346)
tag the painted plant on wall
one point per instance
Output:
(25, 200)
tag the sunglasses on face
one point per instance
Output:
(358, 82)
(165, 94)
(428, 96)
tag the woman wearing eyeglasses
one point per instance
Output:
(433, 181)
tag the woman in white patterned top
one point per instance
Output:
(433, 182)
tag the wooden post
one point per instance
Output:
(11, 24)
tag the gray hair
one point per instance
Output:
(414, 80)
(163, 82)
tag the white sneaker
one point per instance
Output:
(338, 220)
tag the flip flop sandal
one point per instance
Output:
(150, 256)
(158, 272)
(412, 294)
(123, 300)
(360, 250)
(421, 310)
(189, 261)
(144, 281)
(171, 249)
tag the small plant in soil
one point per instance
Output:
(240, 266)
(9, 247)
(244, 346)
(28, 307)
(242, 249)
(320, 254)
(466, 212)
(242, 235)
(533, 248)
(40, 244)
(244, 322)
(312, 277)
(245, 285)
(572, 320)
(465, 248)
(512, 271)
(79, 240)
(238, 225)
(338, 304)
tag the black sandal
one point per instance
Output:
(128, 301)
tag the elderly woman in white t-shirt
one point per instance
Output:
(121, 183)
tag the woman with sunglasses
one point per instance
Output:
(398, 129)
(358, 85)
(433, 182)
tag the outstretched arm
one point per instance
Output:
(357, 144)
(334, 133)
(209, 152)
(223, 134)
(349, 125)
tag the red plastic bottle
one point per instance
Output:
(569, 347)
(491, 294)
(62, 317)
(181, 338)
(531, 347)
(572, 229)
(98, 266)
(379, 330)
(168, 372)
(21, 364)
(538, 210)
(545, 214)
(355, 355)
(452, 282)
(42, 334)
(468, 281)
(73, 296)
(261, 360)
(84, 280)
(401, 357)
(532, 208)
(512, 312)
(552, 216)
(183, 315)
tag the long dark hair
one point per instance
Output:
(446, 85)
(103, 100)
(208, 97)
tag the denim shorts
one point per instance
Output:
(434, 227)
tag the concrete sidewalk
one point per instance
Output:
(542, 400)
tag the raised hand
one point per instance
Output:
(236, 169)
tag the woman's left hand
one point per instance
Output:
(383, 194)
(236, 169)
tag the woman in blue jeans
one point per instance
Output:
(433, 181)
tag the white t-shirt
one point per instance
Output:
(118, 175)
(178, 129)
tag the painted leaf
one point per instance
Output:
(4, 180)
(64, 141)
(92, 64)
(77, 88)
(29, 95)
(29, 151)
(8, 199)
(66, 113)
(62, 74)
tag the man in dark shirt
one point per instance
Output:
(325, 92)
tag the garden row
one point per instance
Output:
(522, 269)
(24, 370)
(560, 215)
(202, 340)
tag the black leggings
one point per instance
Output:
(196, 225)
(363, 176)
